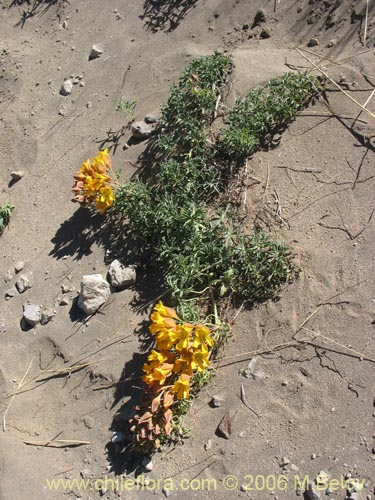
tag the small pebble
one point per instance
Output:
(17, 175)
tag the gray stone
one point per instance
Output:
(165, 492)
(66, 87)
(47, 316)
(216, 401)
(147, 464)
(10, 293)
(121, 276)
(69, 287)
(17, 175)
(311, 493)
(284, 461)
(250, 371)
(313, 42)
(208, 445)
(149, 118)
(32, 314)
(23, 283)
(19, 266)
(140, 130)
(95, 292)
(96, 52)
(89, 422)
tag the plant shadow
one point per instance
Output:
(33, 8)
(165, 15)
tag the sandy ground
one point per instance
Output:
(314, 191)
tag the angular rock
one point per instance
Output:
(140, 130)
(216, 401)
(19, 266)
(311, 493)
(69, 287)
(224, 429)
(66, 87)
(96, 51)
(250, 371)
(10, 293)
(313, 42)
(149, 118)
(95, 291)
(47, 316)
(32, 314)
(147, 464)
(121, 276)
(17, 175)
(23, 283)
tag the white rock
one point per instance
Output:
(140, 130)
(121, 276)
(47, 316)
(23, 283)
(95, 291)
(32, 314)
(147, 464)
(66, 87)
(17, 175)
(96, 52)
(19, 266)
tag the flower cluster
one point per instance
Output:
(181, 349)
(92, 182)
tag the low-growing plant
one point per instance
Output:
(205, 256)
(5, 214)
(266, 109)
(126, 106)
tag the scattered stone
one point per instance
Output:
(17, 175)
(265, 33)
(121, 276)
(260, 17)
(32, 314)
(224, 429)
(140, 130)
(147, 464)
(81, 84)
(65, 25)
(294, 468)
(321, 479)
(313, 456)
(85, 474)
(305, 372)
(10, 293)
(88, 422)
(311, 493)
(47, 316)
(66, 87)
(68, 288)
(8, 276)
(95, 291)
(89, 105)
(208, 445)
(250, 372)
(19, 266)
(244, 487)
(313, 42)
(329, 492)
(284, 461)
(23, 283)
(96, 52)
(165, 492)
(331, 43)
(149, 118)
(216, 401)
(118, 437)
(64, 302)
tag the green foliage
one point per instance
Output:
(204, 254)
(191, 106)
(126, 106)
(5, 213)
(265, 109)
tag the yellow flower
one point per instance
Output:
(181, 387)
(105, 199)
(200, 360)
(202, 337)
(158, 375)
(165, 339)
(157, 358)
(167, 312)
(183, 364)
(183, 335)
